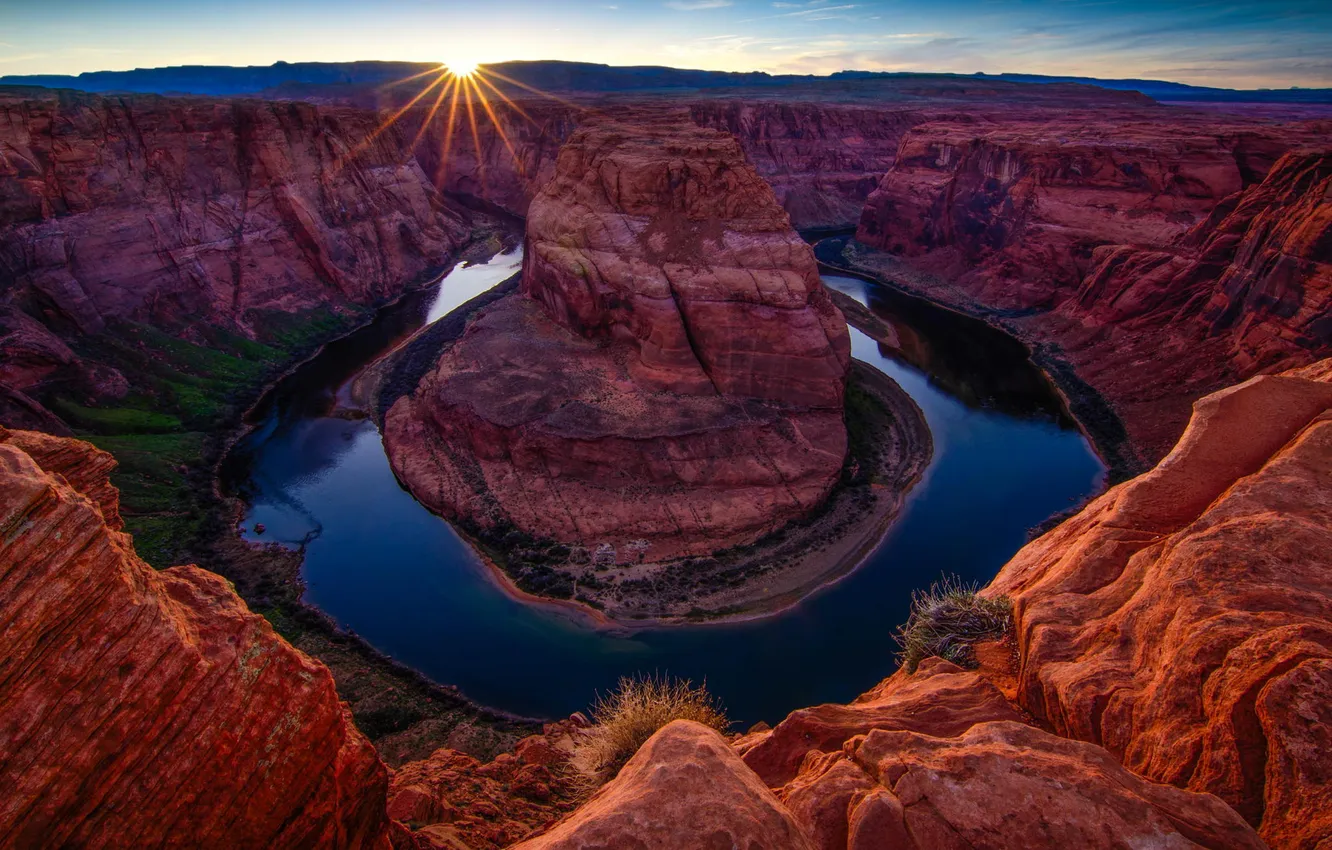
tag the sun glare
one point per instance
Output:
(461, 67)
(470, 93)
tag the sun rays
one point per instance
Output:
(468, 90)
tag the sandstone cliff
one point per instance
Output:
(1184, 619)
(196, 217)
(172, 211)
(1196, 248)
(982, 782)
(1246, 290)
(144, 708)
(671, 376)
(1014, 211)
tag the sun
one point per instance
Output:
(461, 67)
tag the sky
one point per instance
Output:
(1242, 44)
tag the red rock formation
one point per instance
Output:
(144, 708)
(1120, 243)
(942, 700)
(452, 798)
(668, 237)
(1021, 206)
(1001, 784)
(821, 159)
(685, 789)
(1247, 290)
(682, 385)
(173, 211)
(978, 779)
(1183, 620)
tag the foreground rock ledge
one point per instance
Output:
(1183, 620)
(668, 383)
(145, 708)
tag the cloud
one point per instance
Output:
(817, 11)
(696, 5)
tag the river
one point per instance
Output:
(1006, 457)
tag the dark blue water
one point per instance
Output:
(1006, 457)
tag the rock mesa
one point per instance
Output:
(671, 373)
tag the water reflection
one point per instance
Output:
(1005, 459)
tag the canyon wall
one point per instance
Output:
(195, 217)
(1196, 250)
(670, 377)
(170, 211)
(821, 159)
(145, 708)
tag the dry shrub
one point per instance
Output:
(624, 719)
(947, 619)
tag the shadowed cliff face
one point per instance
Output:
(145, 708)
(1022, 205)
(671, 376)
(1197, 251)
(174, 211)
(207, 220)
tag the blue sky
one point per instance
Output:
(1276, 43)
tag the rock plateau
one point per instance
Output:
(670, 377)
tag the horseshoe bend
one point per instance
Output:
(557, 455)
(667, 384)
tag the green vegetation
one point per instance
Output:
(115, 420)
(184, 392)
(947, 619)
(624, 719)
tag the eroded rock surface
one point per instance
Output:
(936, 759)
(1195, 248)
(1183, 620)
(684, 789)
(671, 377)
(451, 799)
(171, 210)
(144, 708)
(942, 700)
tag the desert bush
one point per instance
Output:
(947, 619)
(624, 719)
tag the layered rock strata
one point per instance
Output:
(171, 211)
(984, 779)
(1247, 290)
(196, 217)
(144, 708)
(670, 379)
(1198, 252)
(1183, 620)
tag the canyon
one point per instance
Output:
(667, 383)
(1151, 737)
(669, 344)
(723, 329)
(1202, 251)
